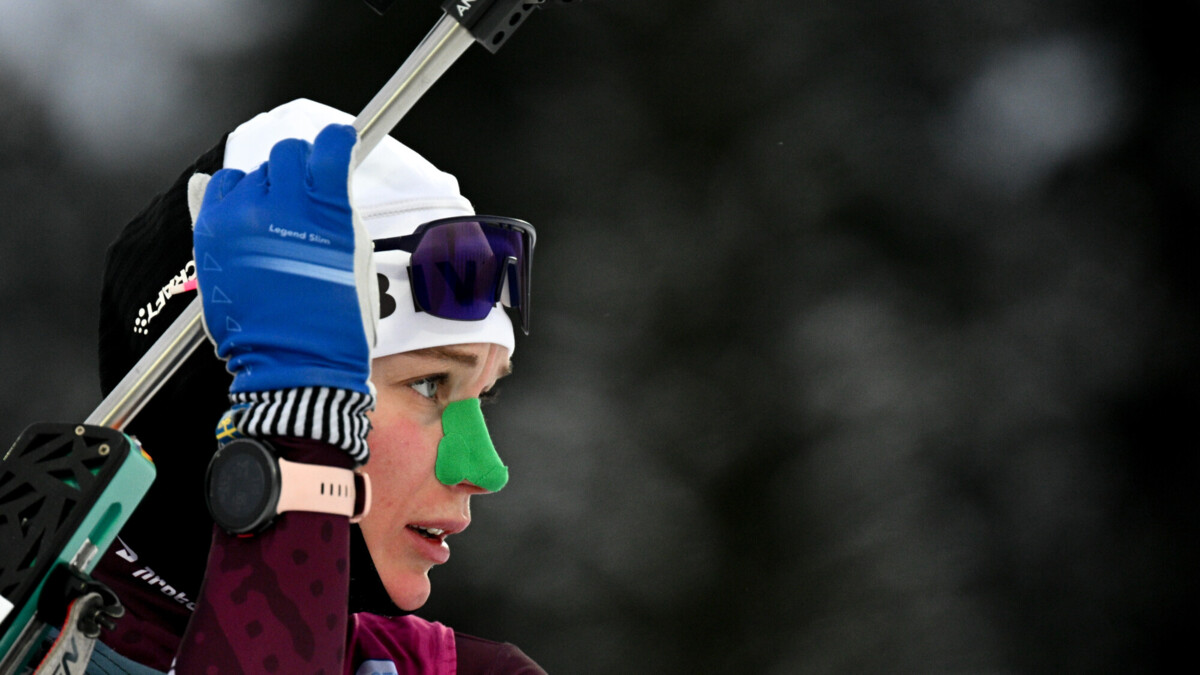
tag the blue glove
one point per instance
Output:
(285, 270)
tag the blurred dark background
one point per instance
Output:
(863, 333)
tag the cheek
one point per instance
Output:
(403, 454)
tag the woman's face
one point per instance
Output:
(412, 513)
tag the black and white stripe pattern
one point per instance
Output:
(334, 416)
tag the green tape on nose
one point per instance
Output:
(466, 451)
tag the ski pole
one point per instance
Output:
(432, 57)
(489, 22)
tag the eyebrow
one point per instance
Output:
(450, 354)
(458, 356)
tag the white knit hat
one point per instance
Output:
(394, 190)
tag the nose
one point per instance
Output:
(484, 373)
(466, 453)
(470, 488)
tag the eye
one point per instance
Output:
(489, 396)
(427, 387)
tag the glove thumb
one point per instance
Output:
(197, 184)
(196, 187)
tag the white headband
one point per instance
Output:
(393, 190)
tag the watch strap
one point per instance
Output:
(323, 489)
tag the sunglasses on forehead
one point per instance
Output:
(461, 267)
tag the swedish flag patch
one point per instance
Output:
(227, 428)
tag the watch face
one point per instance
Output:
(243, 486)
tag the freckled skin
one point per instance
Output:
(406, 428)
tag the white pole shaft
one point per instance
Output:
(444, 44)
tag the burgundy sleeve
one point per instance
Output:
(477, 656)
(275, 602)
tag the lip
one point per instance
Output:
(436, 550)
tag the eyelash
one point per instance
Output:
(437, 381)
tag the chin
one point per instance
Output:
(410, 592)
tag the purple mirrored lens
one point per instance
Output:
(454, 271)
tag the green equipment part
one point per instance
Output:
(65, 492)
